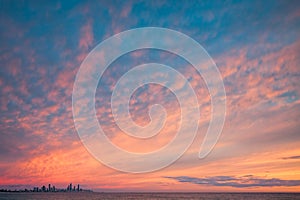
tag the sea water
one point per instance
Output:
(153, 196)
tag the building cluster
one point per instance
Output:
(45, 189)
(70, 188)
(53, 189)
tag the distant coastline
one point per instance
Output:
(50, 188)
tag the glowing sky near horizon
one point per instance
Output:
(255, 45)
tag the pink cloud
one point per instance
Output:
(125, 11)
(87, 36)
(14, 66)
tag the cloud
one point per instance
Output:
(87, 36)
(42, 48)
(291, 158)
(236, 182)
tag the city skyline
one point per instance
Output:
(43, 188)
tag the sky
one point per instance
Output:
(253, 43)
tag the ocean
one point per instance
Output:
(151, 196)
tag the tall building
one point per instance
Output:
(78, 187)
(49, 187)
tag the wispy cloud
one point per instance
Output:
(237, 182)
(291, 158)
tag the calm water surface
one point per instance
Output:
(153, 196)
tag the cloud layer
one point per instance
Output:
(255, 44)
(237, 182)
